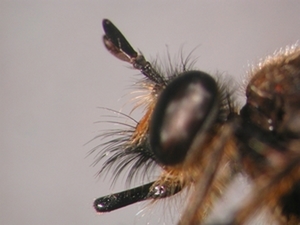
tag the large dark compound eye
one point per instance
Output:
(185, 107)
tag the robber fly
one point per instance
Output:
(194, 132)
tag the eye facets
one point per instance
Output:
(180, 112)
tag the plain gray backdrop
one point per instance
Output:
(55, 72)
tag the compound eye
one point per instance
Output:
(186, 106)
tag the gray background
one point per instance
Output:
(55, 72)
